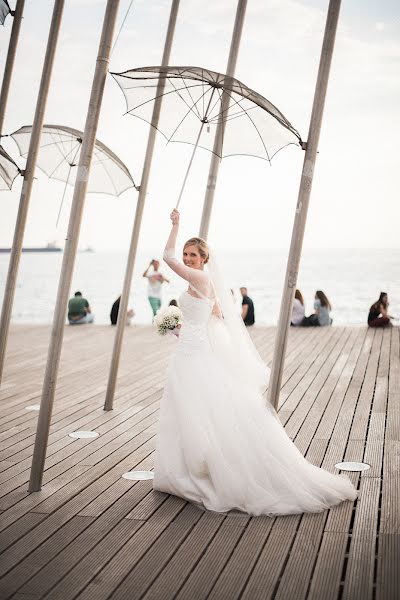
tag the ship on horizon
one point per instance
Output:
(51, 247)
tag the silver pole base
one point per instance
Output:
(84, 434)
(353, 466)
(138, 475)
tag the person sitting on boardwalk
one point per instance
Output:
(115, 310)
(247, 308)
(79, 311)
(156, 279)
(378, 313)
(322, 308)
(298, 310)
(321, 316)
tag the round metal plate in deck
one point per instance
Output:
(83, 434)
(138, 475)
(353, 466)
(33, 407)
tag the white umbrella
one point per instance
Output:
(59, 157)
(9, 170)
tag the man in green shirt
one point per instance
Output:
(79, 310)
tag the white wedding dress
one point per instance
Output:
(218, 444)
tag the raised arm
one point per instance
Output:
(196, 277)
(147, 270)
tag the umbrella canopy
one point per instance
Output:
(59, 158)
(8, 170)
(4, 10)
(195, 96)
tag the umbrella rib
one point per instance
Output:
(259, 135)
(219, 99)
(5, 176)
(191, 97)
(184, 101)
(57, 145)
(202, 85)
(65, 158)
(237, 102)
(65, 187)
(193, 153)
(54, 143)
(187, 113)
(241, 112)
(174, 91)
(278, 117)
(109, 176)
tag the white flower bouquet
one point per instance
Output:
(168, 320)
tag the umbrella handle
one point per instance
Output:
(189, 165)
(203, 122)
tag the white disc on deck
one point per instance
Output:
(33, 407)
(353, 466)
(138, 475)
(83, 434)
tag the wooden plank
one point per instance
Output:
(101, 582)
(206, 572)
(323, 397)
(359, 575)
(328, 572)
(349, 410)
(144, 572)
(79, 498)
(388, 572)
(263, 580)
(102, 530)
(233, 577)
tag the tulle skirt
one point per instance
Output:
(219, 446)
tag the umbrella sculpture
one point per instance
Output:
(9, 170)
(4, 11)
(254, 126)
(59, 157)
(200, 91)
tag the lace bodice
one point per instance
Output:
(196, 314)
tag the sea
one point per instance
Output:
(351, 278)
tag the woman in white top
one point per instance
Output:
(322, 308)
(219, 444)
(298, 310)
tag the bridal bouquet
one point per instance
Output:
(168, 320)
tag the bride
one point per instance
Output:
(218, 444)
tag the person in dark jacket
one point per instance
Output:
(248, 314)
(115, 310)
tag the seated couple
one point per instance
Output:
(321, 316)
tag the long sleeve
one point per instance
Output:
(197, 279)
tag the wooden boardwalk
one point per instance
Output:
(90, 534)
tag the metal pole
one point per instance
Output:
(28, 179)
(8, 69)
(123, 307)
(219, 134)
(57, 333)
(302, 203)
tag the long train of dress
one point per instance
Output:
(219, 446)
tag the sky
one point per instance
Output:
(354, 201)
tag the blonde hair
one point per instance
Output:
(201, 246)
